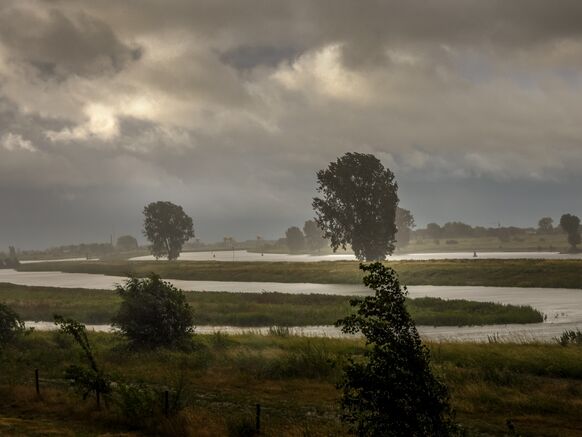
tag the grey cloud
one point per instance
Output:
(365, 28)
(58, 45)
(249, 57)
(232, 107)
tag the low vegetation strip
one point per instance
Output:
(478, 272)
(254, 309)
(536, 386)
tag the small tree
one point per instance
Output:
(313, 235)
(433, 230)
(126, 242)
(11, 325)
(295, 239)
(85, 380)
(545, 225)
(154, 313)
(168, 227)
(571, 225)
(391, 391)
(358, 205)
(404, 225)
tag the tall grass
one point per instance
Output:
(536, 386)
(485, 272)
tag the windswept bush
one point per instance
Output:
(86, 380)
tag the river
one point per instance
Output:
(563, 307)
(537, 332)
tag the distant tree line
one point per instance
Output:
(89, 250)
(569, 224)
(463, 230)
(309, 239)
(124, 243)
(9, 261)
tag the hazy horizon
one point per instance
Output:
(229, 108)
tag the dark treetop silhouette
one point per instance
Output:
(358, 205)
(168, 227)
(571, 225)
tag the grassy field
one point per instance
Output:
(537, 387)
(475, 272)
(253, 309)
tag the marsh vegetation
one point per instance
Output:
(254, 309)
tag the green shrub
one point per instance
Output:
(10, 325)
(154, 313)
(137, 402)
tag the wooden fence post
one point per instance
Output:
(166, 403)
(36, 382)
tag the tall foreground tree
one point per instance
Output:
(167, 227)
(358, 205)
(571, 225)
(391, 391)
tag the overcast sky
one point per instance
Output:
(229, 107)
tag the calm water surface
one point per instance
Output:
(243, 255)
(563, 307)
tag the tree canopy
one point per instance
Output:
(545, 225)
(391, 391)
(571, 225)
(126, 242)
(313, 235)
(154, 313)
(167, 227)
(357, 206)
(404, 225)
(295, 239)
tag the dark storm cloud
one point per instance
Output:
(58, 45)
(230, 107)
(249, 57)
